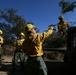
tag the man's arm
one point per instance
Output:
(1, 40)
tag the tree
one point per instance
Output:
(67, 6)
(11, 23)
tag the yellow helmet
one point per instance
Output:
(60, 17)
(1, 32)
(29, 27)
(22, 34)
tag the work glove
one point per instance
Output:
(52, 28)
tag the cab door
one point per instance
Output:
(70, 55)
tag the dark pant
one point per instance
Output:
(18, 55)
(35, 66)
(0, 55)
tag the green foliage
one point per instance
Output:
(67, 6)
(11, 23)
(56, 41)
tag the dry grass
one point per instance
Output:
(8, 55)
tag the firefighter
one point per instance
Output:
(62, 25)
(1, 42)
(19, 54)
(32, 46)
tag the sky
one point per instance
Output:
(41, 12)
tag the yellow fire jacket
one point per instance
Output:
(1, 41)
(32, 45)
(62, 25)
(18, 44)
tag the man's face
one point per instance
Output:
(33, 31)
(21, 37)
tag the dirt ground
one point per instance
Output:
(54, 67)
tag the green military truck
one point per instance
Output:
(70, 54)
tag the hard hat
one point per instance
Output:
(29, 27)
(1, 32)
(60, 17)
(22, 34)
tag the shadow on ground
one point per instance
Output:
(54, 68)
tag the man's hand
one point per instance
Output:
(52, 28)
